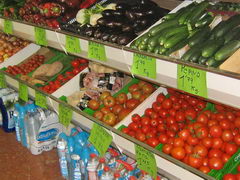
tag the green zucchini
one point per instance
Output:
(198, 12)
(206, 20)
(175, 15)
(150, 48)
(199, 36)
(195, 56)
(156, 29)
(211, 47)
(142, 47)
(178, 46)
(227, 50)
(153, 41)
(176, 38)
(233, 34)
(211, 62)
(190, 52)
(156, 50)
(171, 31)
(225, 26)
(139, 40)
(202, 60)
(162, 50)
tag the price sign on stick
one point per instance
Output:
(3, 83)
(72, 44)
(192, 80)
(96, 51)
(23, 92)
(146, 161)
(144, 66)
(40, 36)
(8, 27)
(65, 115)
(40, 99)
(100, 139)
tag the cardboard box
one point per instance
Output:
(232, 64)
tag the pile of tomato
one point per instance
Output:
(78, 65)
(230, 176)
(26, 67)
(200, 138)
(117, 108)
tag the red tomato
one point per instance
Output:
(160, 98)
(106, 110)
(180, 116)
(212, 122)
(109, 119)
(191, 140)
(215, 163)
(184, 134)
(136, 94)
(163, 113)
(205, 161)
(125, 130)
(171, 133)
(76, 71)
(145, 120)
(116, 109)
(230, 116)
(60, 77)
(154, 122)
(167, 148)
(202, 118)
(123, 113)
(136, 118)
(195, 161)
(140, 137)
(153, 142)
(145, 129)
(170, 120)
(229, 177)
(121, 98)
(220, 116)
(178, 142)
(133, 126)
(161, 127)
(237, 122)
(148, 112)
(227, 135)
(215, 131)
(207, 142)
(237, 139)
(109, 101)
(238, 168)
(201, 132)
(167, 103)
(204, 169)
(93, 104)
(163, 138)
(178, 153)
(133, 88)
(215, 153)
(132, 103)
(190, 114)
(156, 106)
(188, 149)
(200, 150)
(225, 157)
(147, 88)
(75, 63)
(98, 115)
(230, 148)
(82, 61)
(217, 143)
(225, 124)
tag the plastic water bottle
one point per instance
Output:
(62, 148)
(92, 167)
(100, 167)
(107, 174)
(76, 167)
(16, 116)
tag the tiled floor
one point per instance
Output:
(17, 163)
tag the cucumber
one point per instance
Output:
(156, 50)
(171, 31)
(156, 29)
(202, 60)
(206, 20)
(176, 38)
(195, 56)
(190, 52)
(142, 46)
(178, 46)
(227, 50)
(198, 12)
(211, 62)
(162, 50)
(150, 48)
(211, 47)
(199, 36)
(226, 26)
(184, 17)
(233, 34)
(153, 41)
(176, 14)
(139, 40)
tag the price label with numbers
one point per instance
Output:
(96, 51)
(192, 80)
(8, 27)
(23, 92)
(72, 44)
(65, 115)
(40, 99)
(3, 83)
(40, 36)
(100, 139)
(144, 66)
(146, 161)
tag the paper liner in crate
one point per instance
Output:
(232, 63)
(147, 103)
(21, 55)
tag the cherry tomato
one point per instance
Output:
(178, 153)
(215, 163)
(76, 71)
(202, 118)
(163, 113)
(148, 112)
(156, 106)
(201, 132)
(145, 120)
(75, 63)
(184, 134)
(133, 126)
(180, 116)
(190, 114)
(191, 140)
(163, 138)
(154, 122)
(167, 103)
(225, 124)
(145, 129)
(237, 139)
(229, 177)
(225, 157)
(207, 142)
(195, 161)
(153, 142)
(215, 131)
(227, 135)
(160, 98)
(200, 150)
(178, 142)
(167, 148)
(140, 137)
(231, 148)
(204, 169)
(136, 118)
(215, 153)
(217, 143)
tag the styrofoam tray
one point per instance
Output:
(147, 103)
(21, 55)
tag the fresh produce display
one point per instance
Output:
(200, 134)
(112, 109)
(10, 8)
(10, 45)
(116, 23)
(78, 65)
(26, 67)
(189, 30)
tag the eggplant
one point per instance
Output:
(122, 6)
(98, 33)
(113, 38)
(89, 31)
(102, 21)
(130, 15)
(118, 12)
(138, 13)
(105, 36)
(108, 12)
(124, 39)
(127, 28)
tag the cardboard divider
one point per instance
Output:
(232, 63)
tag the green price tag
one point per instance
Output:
(40, 36)
(192, 80)
(3, 83)
(100, 139)
(146, 161)
(96, 51)
(23, 92)
(8, 27)
(40, 100)
(72, 44)
(65, 115)
(144, 66)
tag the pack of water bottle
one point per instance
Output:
(36, 128)
(8, 97)
(79, 160)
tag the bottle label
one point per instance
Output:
(11, 123)
(63, 166)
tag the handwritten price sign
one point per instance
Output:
(96, 51)
(8, 27)
(100, 139)
(40, 100)
(192, 80)
(65, 115)
(72, 44)
(144, 66)
(40, 36)
(146, 161)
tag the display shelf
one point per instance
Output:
(167, 165)
(222, 86)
